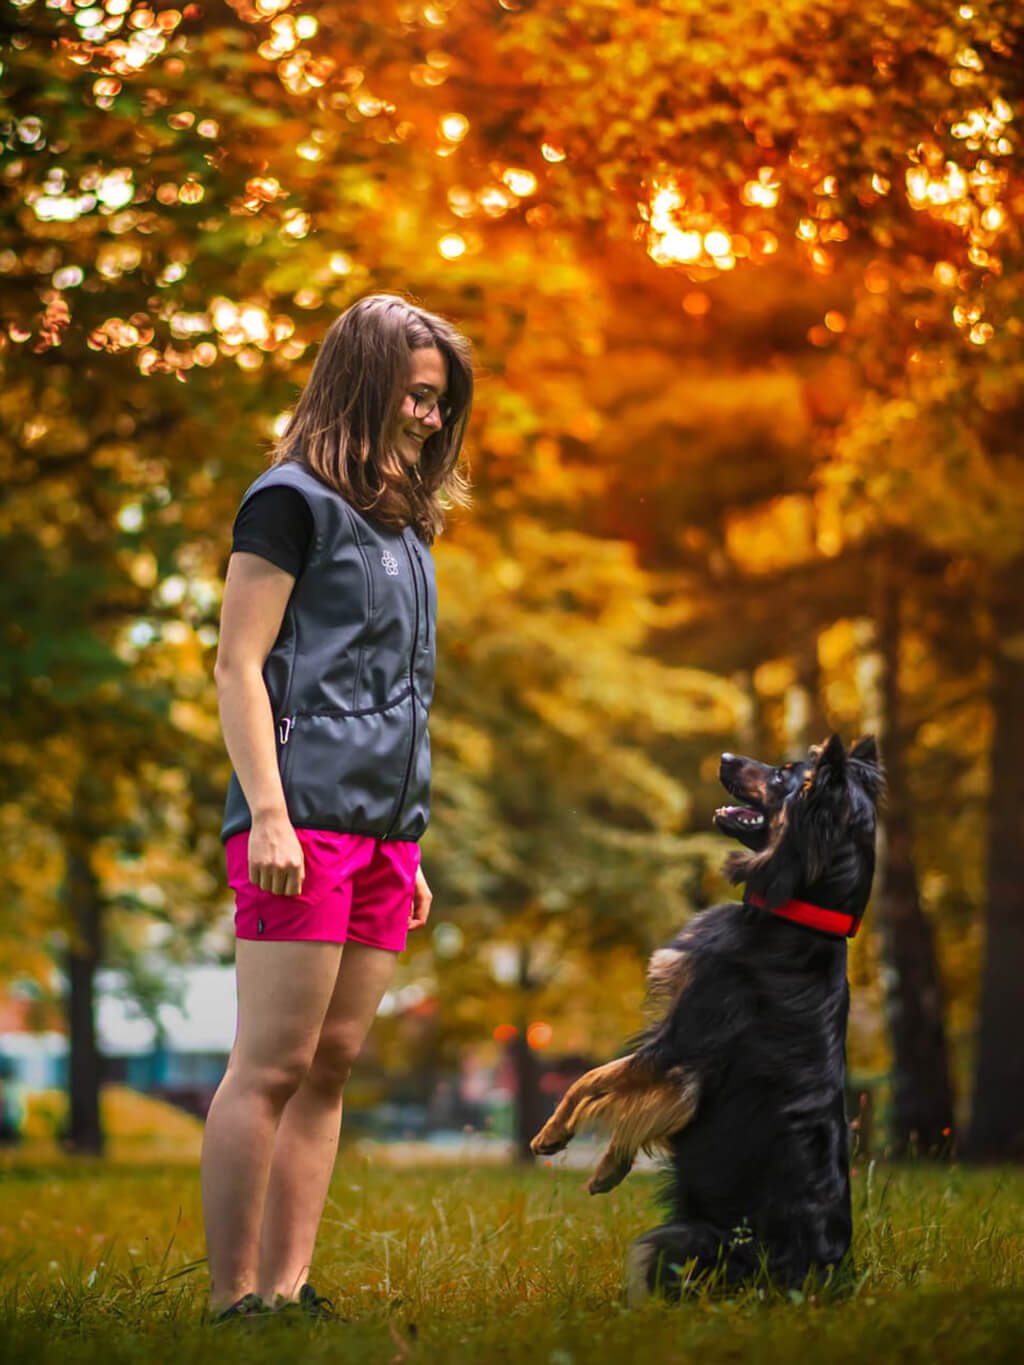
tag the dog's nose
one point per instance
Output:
(728, 758)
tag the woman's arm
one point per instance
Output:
(256, 595)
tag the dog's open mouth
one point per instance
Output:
(749, 820)
(744, 816)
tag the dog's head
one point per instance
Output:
(809, 825)
(763, 791)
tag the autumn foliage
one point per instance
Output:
(745, 286)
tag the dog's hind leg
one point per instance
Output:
(681, 1257)
(643, 1118)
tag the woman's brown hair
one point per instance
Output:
(340, 426)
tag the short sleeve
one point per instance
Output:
(277, 524)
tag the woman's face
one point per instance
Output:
(422, 409)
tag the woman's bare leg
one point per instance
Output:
(307, 1138)
(284, 990)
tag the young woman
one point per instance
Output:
(324, 677)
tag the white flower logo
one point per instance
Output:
(390, 564)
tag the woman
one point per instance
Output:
(324, 677)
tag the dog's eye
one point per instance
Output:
(778, 779)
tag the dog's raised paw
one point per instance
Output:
(607, 1176)
(545, 1144)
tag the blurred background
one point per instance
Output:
(745, 288)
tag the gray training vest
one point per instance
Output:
(351, 674)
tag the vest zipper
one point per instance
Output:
(286, 723)
(412, 691)
(426, 596)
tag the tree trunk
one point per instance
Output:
(810, 724)
(922, 1100)
(530, 1112)
(997, 1114)
(84, 1132)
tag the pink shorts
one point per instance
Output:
(356, 890)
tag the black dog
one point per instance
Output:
(741, 1081)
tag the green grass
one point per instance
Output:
(478, 1265)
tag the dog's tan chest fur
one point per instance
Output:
(669, 972)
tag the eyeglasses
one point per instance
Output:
(423, 404)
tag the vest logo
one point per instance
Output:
(390, 564)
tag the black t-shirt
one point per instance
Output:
(276, 524)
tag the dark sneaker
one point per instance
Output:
(247, 1307)
(310, 1305)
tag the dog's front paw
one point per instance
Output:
(611, 1171)
(551, 1138)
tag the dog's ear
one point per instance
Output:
(868, 768)
(865, 751)
(830, 765)
(823, 807)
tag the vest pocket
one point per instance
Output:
(415, 812)
(344, 770)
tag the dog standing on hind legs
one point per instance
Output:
(741, 1081)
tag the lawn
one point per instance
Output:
(97, 1263)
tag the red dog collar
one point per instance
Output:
(835, 922)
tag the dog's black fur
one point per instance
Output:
(742, 1079)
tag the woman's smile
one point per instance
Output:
(420, 415)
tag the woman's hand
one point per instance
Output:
(421, 898)
(276, 860)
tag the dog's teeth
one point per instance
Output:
(742, 817)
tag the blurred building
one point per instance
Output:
(178, 1050)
